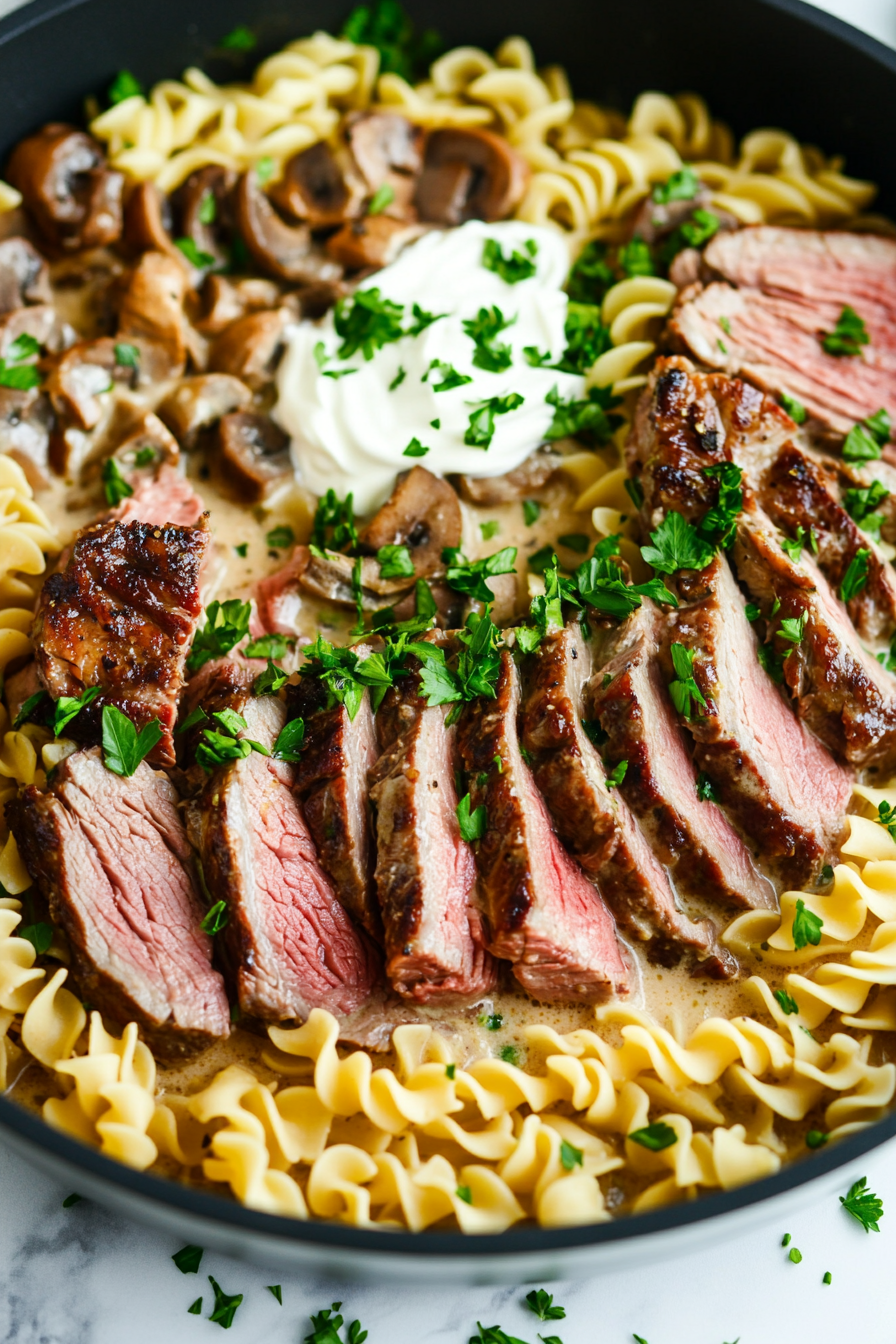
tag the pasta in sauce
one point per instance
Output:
(505, 1111)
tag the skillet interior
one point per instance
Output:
(758, 63)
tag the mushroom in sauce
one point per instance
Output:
(24, 276)
(251, 346)
(373, 241)
(283, 250)
(71, 193)
(388, 150)
(469, 173)
(198, 403)
(87, 369)
(152, 307)
(319, 187)
(529, 476)
(201, 205)
(253, 456)
(422, 513)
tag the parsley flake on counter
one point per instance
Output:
(786, 1239)
(381, 199)
(195, 1308)
(226, 623)
(856, 576)
(676, 545)
(616, 776)
(865, 1207)
(684, 689)
(188, 1259)
(848, 336)
(541, 1303)
(586, 338)
(588, 416)
(655, 1137)
(472, 824)
(70, 1200)
(280, 537)
(827, 1277)
(826, 875)
(289, 741)
(415, 449)
(518, 266)
(448, 374)
(570, 1156)
(399, 378)
(122, 746)
(123, 86)
(795, 409)
(806, 926)
(225, 1305)
(816, 1138)
(705, 791)
(68, 707)
(216, 918)
(786, 1002)
(395, 562)
(752, 612)
(484, 330)
(366, 321)
(795, 1257)
(276, 1291)
(493, 1334)
(240, 38)
(115, 487)
(531, 511)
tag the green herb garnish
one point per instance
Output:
(448, 374)
(684, 689)
(226, 623)
(795, 409)
(655, 1137)
(415, 449)
(202, 261)
(542, 1304)
(518, 266)
(123, 747)
(806, 927)
(531, 511)
(676, 544)
(115, 487)
(865, 1207)
(280, 537)
(705, 789)
(848, 336)
(483, 330)
(225, 1305)
(188, 1259)
(381, 199)
(856, 576)
(239, 38)
(589, 416)
(366, 321)
(124, 85)
(68, 707)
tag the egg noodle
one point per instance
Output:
(319, 1130)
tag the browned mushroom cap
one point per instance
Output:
(469, 173)
(202, 209)
(148, 435)
(152, 307)
(148, 221)
(253, 457)
(25, 422)
(198, 403)
(78, 377)
(24, 276)
(320, 187)
(422, 513)
(329, 575)
(69, 189)
(40, 321)
(284, 250)
(224, 300)
(251, 347)
(388, 150)
(374, 240)
(530, 475)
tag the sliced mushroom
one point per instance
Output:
(253, 455)
(24, 275)
(251, 346)
(148, 222)
(199, 403)
(422, 513)
(26, 419)
(225, 300)
(329, 575)
(284, 250)
(374, 240)
(530, 475)
(89, 368)
(320, 187)
(153, 307)
(148, 434)
(39, 321)
(70, 191)
(388, 150)
(469, 173)
(202, 207)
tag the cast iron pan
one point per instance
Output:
(758, 63)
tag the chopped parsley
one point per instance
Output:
(476, 674)
(448, 374)
(70, 1200)
(816, 1138)
(531, 511)
(465, 1193)
(195, 1308)
(865, 1207)
(541, 1303)
(617, 775)
(575, 541)
(240, 38)
(588, 416)
(217, 917)
(334, 523)
(793, 628)
(270, 681)
(123, 747)
(509, 1054)
(786, 1239)
(472, 824)
(422, 320)
(705, 788)
(586, 339)
(806, 927)
(848, 336)
(717, 527)
(226, 623)
(123, 86)
(264, 169)
(450, 1071)
(466, 576)
(289, 741)
(395, 562)
(655, 1137)
(381, 199)
(195, 716)
(481, 429)
(570, 1156)
(384, 24)
(366, 321)
(683, 185)
(399, 378)
(68, 707)
(514, 268)
(635, 258)
(489, 529)
(188, 1259)
(415, 449)
(40, 936)
(786, 1002)
(856, 576)
(676, 544)
(115, 487)
(601, 586)
(280, 537)
(795, 409)
(886, 817)
(208, 208)
(242, 550)
(127, 356)
(484, 330)
(860, 503)
(591, 276)
(269, 646)
(225, 1305)
(725, 324)
(202, 261)
(793, 546)
(826, 1278)
(16, 374)
(794, 1256)
(491, 1021)
(684, 689)
(220, 745)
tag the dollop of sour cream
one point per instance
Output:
(350, 432)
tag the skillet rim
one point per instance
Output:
(175, 1196)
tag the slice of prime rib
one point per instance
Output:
(121, 615)
(591, 816)
(331, 780)
(786, 792)
(693, 836)
(542, 913)
(425, 871)
(781, 291)
(111, 858)
(843, 693)
(688, 421)
(288, 945)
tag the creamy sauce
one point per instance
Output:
(349, 433)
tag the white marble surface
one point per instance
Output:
(85, 1276)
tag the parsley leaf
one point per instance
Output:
(415, 449)
(592, 275)
(216, 918)
(683, 185)
(124, 85)
(202, 261)
(188, 1259)
(399, 378)
(381, 199)
(40, 936)
(860, 503)
(226, 623)
(395, 562)
(466, 576)
(786, 1002)
(123, 747)
(865, 1207)
(717, 527)
(860, 446)
(68, 707)
(589, 416)
(677, 545)
(384, 24)
(586, 338)
(816, 1138)
(705, 789)
(127, 356)
(29, 706)
(280, 537)
(856, 576)
(269, 646)
(518, 266)
(491, 1021)
(239, 38)
(493, 1334)
(483, 330)
(225, 1305)
(195, 1309)
(542, 1304)
(848, 336)
(270, 680)
(886, 817)
(793, 628)
(288, 745)
(880, 425)
(481, 429)
(806, 927)
(70, 1200)
(531, 511)
(15, 374)
(684, 689)
(510, 1055)
(570, 1156)
(448, 374)
(655, 1137)
(422, 320)
(635, 258)
(472, 824)
(115, 487)
(366, 321)
(795, 409)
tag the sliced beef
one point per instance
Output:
(425, 872)
(782, 290)
(111, 858)
(161, 496)
(630, 701)
(121, 615)
(542, 913)
(842, 692)
(591, 817)
(279, 598)
(331, 780)
(785, 790)
(289, 945)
